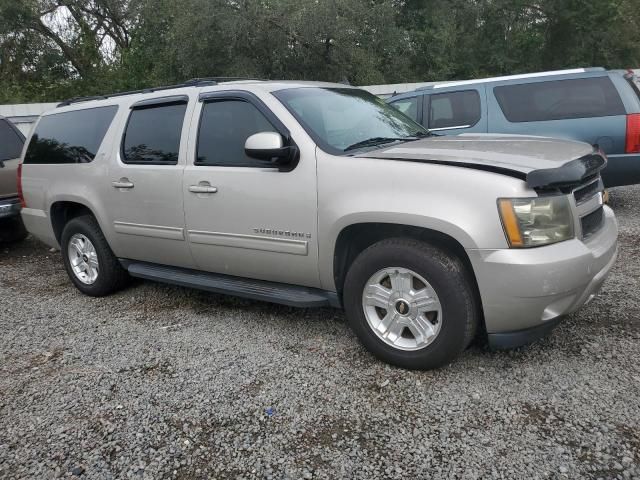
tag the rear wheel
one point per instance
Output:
(88, 259)
(410, 303)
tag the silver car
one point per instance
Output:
(11, 143)
(313, 194)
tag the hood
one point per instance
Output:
(541, 162)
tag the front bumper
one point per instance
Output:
(524, 292)
(9, 207)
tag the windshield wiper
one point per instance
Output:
(422, 134)
(374, 141)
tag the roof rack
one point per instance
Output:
(454, 83)
(194, 82)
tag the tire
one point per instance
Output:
(12, 230)
(455, 318)
(110, 276)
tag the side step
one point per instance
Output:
(291, 295)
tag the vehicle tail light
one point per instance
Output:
(20, 194)
(633, 133)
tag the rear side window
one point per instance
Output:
(454, 109)
(10, 141)
(153, 135)
(224, 129)
(559, 100)
(70, 137)
(408, 106)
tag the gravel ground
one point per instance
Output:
(163, 382)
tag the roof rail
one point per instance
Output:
(454, 83)
(194, 82)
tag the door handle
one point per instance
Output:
(202, 189)
(122, 183)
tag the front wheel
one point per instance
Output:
(410, 303)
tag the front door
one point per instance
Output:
(145, 204)
(245, 217)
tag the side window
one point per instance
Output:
(10, 142)
(70, 137)
(153, 134)
(225, 126)
(408, 106)
(559, 100)
(454, 109)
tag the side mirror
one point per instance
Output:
(269, 146)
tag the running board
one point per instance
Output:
(291, 295)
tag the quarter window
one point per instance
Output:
(10, 142)
(153, 134)
(70, 137)
(454, 109)
(225, 126)
(408, 106)
(559, 100)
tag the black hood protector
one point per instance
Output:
(573, 173)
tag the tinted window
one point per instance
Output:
(408, 106)
(454, 109)
(70, 137)
(224, 129)
(559, 99)
(10, 141)
(153, 134)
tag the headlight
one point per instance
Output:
(532, 222)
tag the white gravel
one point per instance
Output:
(162, 382)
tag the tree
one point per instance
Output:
(62, 41)
(50, 49)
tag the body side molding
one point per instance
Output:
(250, 242)
(155, 231)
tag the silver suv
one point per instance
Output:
(312, 194)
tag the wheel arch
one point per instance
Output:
(355, 238)
(62, 211)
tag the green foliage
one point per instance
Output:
(51, 49)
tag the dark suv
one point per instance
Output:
(591, 105)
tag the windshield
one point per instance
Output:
(341, 120)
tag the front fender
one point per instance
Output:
(455, 201)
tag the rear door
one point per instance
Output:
(144, 200)
(450, 111)
(11, 141)
(585, 109)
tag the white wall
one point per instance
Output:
(24, 115)
(386, 91)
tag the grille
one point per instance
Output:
(592, 222)
(585, 193)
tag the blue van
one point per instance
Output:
(594, 105)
